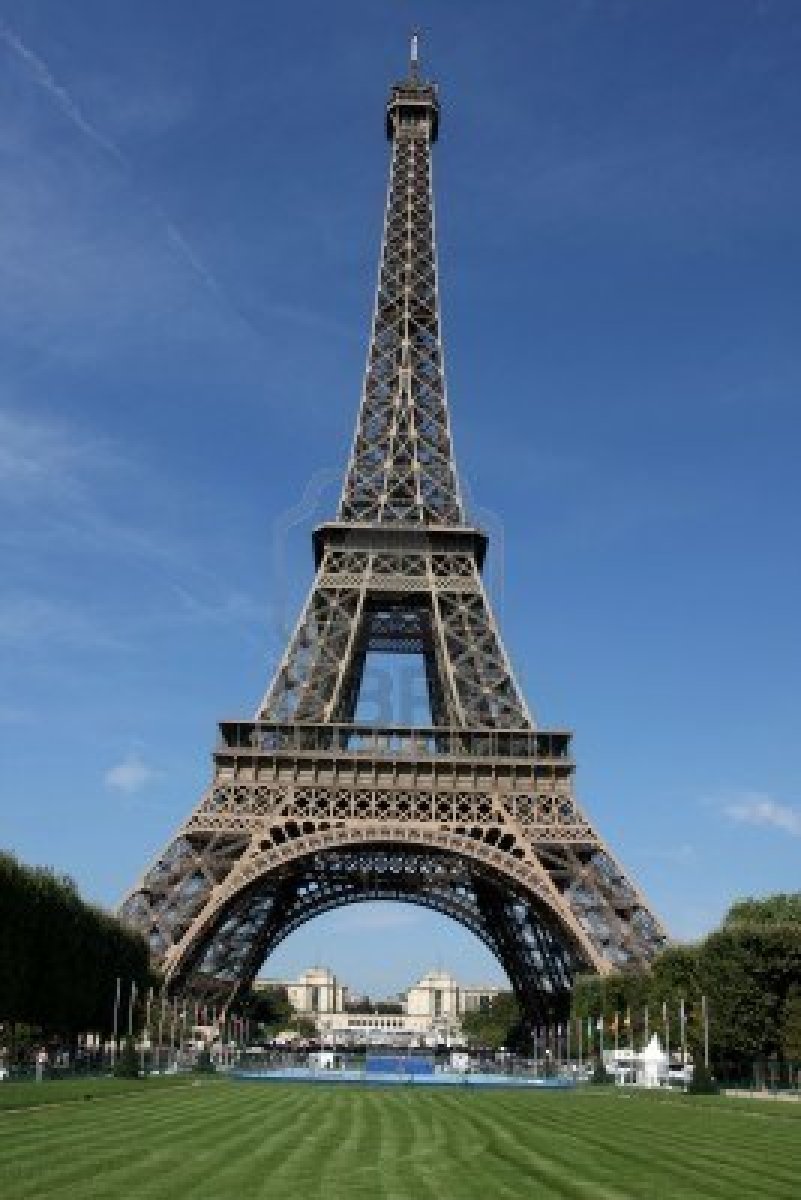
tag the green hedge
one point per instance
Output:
(59, 956)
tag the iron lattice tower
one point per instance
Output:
(473, 816)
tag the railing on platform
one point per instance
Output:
(268, 737)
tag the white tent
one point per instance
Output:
(652, 1064)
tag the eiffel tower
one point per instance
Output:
(473, 816)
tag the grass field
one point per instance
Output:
(214, 1139)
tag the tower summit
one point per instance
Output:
(413, 102)
(473, 815)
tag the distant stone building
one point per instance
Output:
(316, 991)
(438, 995)
(431, 1009)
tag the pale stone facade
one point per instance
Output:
(438, 994)
(431, 1009)
(316, 991)
(435, 996)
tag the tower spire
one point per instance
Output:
(414, 66)
(401, 467)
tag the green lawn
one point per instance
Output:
(213, 1139)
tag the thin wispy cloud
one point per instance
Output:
(32, 622)
(41, 74)
(42, 458)
(130, 776)
(225, 608)
(59, 494)
(758, 808)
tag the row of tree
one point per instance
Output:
(746, 976)
(60, 958)
(748, 971)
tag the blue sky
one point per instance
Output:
(190, 210)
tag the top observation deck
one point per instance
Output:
(410, 104)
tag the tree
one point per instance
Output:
(746, 971)
(781, 908)
(703, 1081)
(600, 1075)
(269, 1008)
(499, 1025)
(60, 957)
(749, 970)
(791, 1025)
(305, 1027)
(127, 1065)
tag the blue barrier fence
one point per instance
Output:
(395, 1078)
(399, 1064)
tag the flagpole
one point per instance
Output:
(666, 1019)
(161, 1028)
(683, 1032)
(630, 1073)
(147, 1027)
(131, 1000)
(116, 1023)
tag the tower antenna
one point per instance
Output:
(413, 55)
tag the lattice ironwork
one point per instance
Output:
(474, 816)
(401, 466)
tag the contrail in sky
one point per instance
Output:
(41, 74)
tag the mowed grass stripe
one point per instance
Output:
(167, 1145)
(492, 1158)
(684, 1144)
(350, 1152)
(63, 1128)
(677, 1145)
(251, 1141)
(294, 1160)
(438, 1144)
(85, 1146)
(248, 1145)
(617, 1161)
(557, 1172)
(263, 1136)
